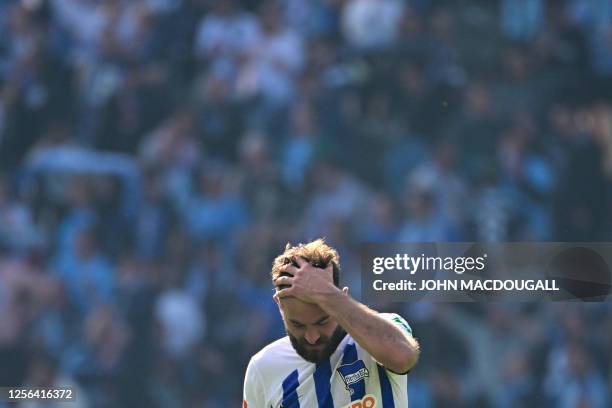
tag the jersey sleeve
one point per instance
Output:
(254, 392)
(400, 322)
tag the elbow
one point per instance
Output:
(409, 361)
(406, 359)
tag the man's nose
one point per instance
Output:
(312, 335)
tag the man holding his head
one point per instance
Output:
(337, 352)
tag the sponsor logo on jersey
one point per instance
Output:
(369, 401)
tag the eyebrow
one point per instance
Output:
(321, 320)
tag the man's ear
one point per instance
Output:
(345, 290)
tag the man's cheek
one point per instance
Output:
(329, 332)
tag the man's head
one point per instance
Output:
(313, 333)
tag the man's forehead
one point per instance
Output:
(298, 310)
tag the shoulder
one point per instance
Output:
(275, 356)
(398, 321)
(272, 349)
(261, 367)
(271, 366)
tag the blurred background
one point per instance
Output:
(156, 155)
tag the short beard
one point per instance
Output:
(316, 356)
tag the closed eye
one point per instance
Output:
(297, 324)
(322, 321)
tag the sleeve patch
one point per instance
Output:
(398, 320)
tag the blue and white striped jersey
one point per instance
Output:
(277, 377)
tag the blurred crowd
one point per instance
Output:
(156, 155)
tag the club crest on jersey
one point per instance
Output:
(353, 373)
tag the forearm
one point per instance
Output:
(386, 342)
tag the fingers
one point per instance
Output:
(300, 261)
(283, 293)
(283, 280)
(289, 268)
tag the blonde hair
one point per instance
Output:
(317, 253)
